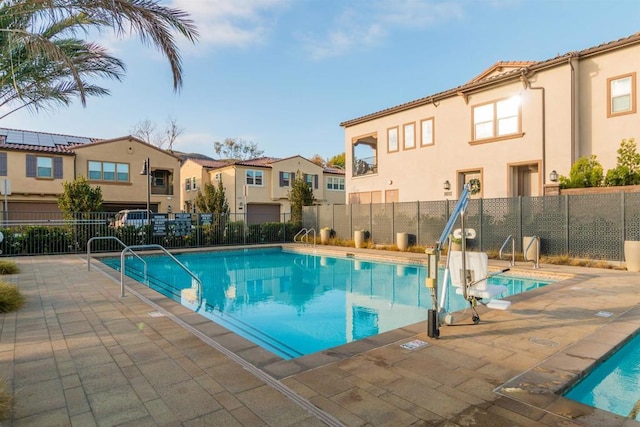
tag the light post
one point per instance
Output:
(146, 170)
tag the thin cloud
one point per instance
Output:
(373, 22)
(231, 23)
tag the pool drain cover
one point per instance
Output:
(412, 345)
(543, 341)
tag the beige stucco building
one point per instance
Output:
(510, 127)
(34, 165)
(259, 187)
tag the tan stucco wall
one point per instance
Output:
(134, 153)
(570, 123)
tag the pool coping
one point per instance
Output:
(540, 386)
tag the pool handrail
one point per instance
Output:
(305, 235)
(163, 249)
(536, 262)
(117, 240)
(512, 263)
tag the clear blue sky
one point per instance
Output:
(284, 73)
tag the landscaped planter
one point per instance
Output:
(632, 255)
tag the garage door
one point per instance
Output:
(259, 213)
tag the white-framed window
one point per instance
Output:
(217, 177)
(497, 119)
(254, 178)
(392, 139)
(426, 132)
(187, 184)
(108, 171)
(44, 167)
(193, 183)
(335, 183)
(621, 97)
(409, 137)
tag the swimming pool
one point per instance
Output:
(295, 304)
(614, 385)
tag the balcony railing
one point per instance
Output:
(365, 166)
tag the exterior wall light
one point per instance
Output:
(446, 185)
(553, 176)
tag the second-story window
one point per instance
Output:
(45, 167)
(254, 178)
(285, 179)
(187, 184)
(193, 183)
(108, 171)
(426, 132)
(496, 119)
(622, 95)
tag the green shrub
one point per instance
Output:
(10, 298)
(627, 170)
(585, 172)
(8, 267)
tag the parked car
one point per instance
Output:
(132, 217)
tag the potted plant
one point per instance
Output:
(325, 235)
(359, 237)
(456, 243)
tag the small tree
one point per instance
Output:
(627, 170)
(147, 131)
(79, 197)
(585, 172)
(237, 149)
(301, 194)
(337, 161)
(213, 200)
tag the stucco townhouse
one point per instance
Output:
(515, 128)
(34, 165)
(259, 188)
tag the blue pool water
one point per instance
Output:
(296, 304)
(614, 385)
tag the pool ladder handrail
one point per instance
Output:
(536, 262)
(163, 249)
(117, 240)
(304, 236)
(512, 263)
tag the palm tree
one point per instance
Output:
(43, 63)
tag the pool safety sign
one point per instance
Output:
(159, 224)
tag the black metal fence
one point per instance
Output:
(580, 226)
(39, 233)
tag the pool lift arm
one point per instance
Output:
(438, 313)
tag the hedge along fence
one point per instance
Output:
(71, 236)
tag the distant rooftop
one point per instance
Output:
(40, 139)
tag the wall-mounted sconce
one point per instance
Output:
(553, 176)
(390, 182)
(446, 186)
(169, 209)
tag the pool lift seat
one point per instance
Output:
(474, 286)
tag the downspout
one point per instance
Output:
(573, 111)
(527, 84)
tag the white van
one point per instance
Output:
(132, 217)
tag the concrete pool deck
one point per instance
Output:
(79, 354)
